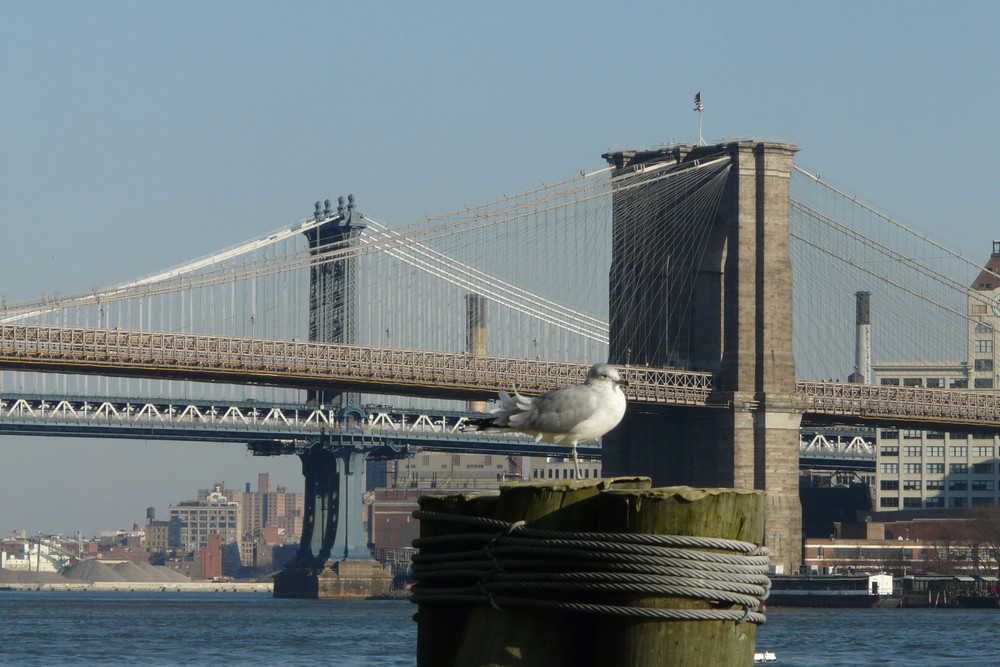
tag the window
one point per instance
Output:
(889, 468)
(982, 485)
(935, 450)
(934, 502)
(958, 502)
(911, 502)
(984, 345)
(889, 434)
(911, 468)
(934, 484)
(982, 468)
(913, 382)
(890, 381)
(958, 485)
(959, 468)
(983, 328)
(889, 450)
(958, 383)
(889, 485)
(935, 383)
(984, 383)
(982, 501)
(888, 502)
(979, 309)
(982, 451)
(984, 364)
(911, 485)
(960, 451)
(934, 435)
(912, 450)
(935, 469)
(912, 434)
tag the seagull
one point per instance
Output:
(563, 416)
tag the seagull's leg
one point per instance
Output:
(576, 463)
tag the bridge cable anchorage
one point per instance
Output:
(510, 565)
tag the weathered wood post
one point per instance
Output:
(728, 514)
(440, 626)
(541, 602)
(526, 636)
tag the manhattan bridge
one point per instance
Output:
(344, 338)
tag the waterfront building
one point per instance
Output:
(216, 515)
(946, 469)
(162, 535)
(261, 507)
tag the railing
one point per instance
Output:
(316, 365)
(917, 405)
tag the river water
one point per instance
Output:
(57, 628)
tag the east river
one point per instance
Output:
(57, 628)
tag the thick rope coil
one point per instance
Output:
(515, 560)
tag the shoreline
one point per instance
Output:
(144, 587)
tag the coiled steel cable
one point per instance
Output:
(503, 564)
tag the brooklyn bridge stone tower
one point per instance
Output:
(733, 318)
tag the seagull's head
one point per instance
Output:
(605, 372)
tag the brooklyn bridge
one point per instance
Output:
(676, 264)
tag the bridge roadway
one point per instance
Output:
(382, 430)
(450, 375)
(266, 429)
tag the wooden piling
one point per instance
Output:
(524, 636)
(722, 513)
(481, 636)
(440, 626)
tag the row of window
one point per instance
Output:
(937, 485)
(937, 450)
(930, 383)
(539, 473)
(915, 434)
(938, 501)
(955, 451)
(937, 468)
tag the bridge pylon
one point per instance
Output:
(333, 559)
(733, 319)
(333, 286)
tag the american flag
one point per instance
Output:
(697, 102)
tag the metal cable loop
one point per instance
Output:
(629, 538)
(515, 560)
(646, 613)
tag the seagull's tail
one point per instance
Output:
(508, 408)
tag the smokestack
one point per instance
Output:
(475, 335)
(863, 340)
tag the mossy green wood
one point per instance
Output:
(440, 626)
(723, 513)
(539, 637)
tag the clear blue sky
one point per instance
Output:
(135, 136)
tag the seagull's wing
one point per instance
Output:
(557, 411)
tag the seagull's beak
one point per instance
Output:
(622, 383)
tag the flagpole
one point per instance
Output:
(699, 107)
